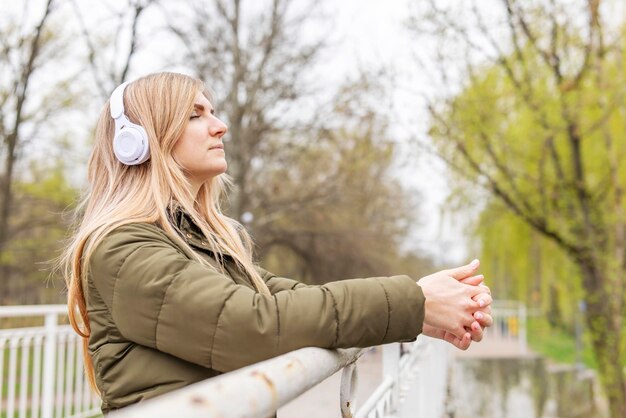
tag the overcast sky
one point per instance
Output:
(373, 34)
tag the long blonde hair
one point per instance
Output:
(120, 194)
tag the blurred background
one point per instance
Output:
(366, 138)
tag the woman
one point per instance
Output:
(162, 286)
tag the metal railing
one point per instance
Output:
(260, 389)
(42, 375)
(41, 367)
(414, 381)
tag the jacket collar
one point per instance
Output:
(188, 229)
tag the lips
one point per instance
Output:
(217, 146)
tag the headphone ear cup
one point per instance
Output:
(130, 145)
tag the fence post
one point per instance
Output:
(347, 391)
(391, 367)
(522, 327)
(49, 360)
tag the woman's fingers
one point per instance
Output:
(467, 321)
(473, 280)
(441, 334)
(477, 293)
(484, 319)
(450, 338)
(462, 342)
(465, 271)
(476, 331)
(476, 308)
(483, 299)
(452, 297)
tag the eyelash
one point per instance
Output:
(197, 116)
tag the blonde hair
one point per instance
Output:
(121, 194)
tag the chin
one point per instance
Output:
(216, 171)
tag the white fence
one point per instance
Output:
(414, 382)
(41, 368)
(509, 323)
(41, 375)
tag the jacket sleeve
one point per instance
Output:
(160, 298)
(277, 284)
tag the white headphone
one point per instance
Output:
(130, 142)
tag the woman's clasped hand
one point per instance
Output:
(458, 305)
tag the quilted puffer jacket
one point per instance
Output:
(161, 320)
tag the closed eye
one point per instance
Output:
(199, 109)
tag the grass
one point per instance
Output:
(557, 344)
(5, 376)
(5, 356)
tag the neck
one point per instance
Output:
(195, 189)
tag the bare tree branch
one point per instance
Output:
(11, 140)
(92, 55)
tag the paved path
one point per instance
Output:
(323, 399)
(495, 348)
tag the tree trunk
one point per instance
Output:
(6, 192)
(604, 322)
(11, 141)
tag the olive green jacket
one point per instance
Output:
(161, 320)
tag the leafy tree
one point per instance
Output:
(522, 264)
(37, 234)
(21, 53)
(539, 123)
(32, 42)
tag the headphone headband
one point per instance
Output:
(117, 101)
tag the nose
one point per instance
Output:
(217, 128)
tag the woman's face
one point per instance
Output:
(200, 150)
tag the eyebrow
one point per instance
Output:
(201, 108)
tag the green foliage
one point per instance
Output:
(524, 147)
(557, 344)
(542, 129)
(522, 264)
(37, 230)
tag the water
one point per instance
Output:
(521, 387)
